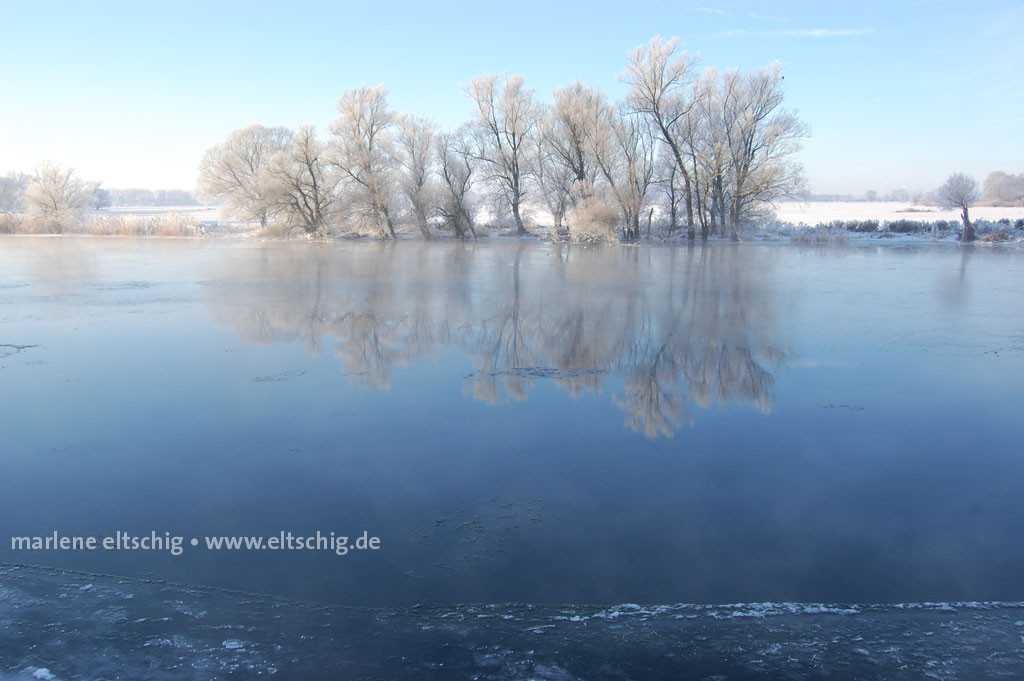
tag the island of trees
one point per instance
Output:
(712, 144)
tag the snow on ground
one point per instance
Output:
(795, 213)
(815, 212)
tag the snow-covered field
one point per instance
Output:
(203, 213)
(815, 212)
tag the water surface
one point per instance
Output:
(522, 421)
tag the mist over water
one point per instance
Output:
(521, 421)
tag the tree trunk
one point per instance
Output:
(421, 218)
(520, 230)
(734, 220)
(968, 234)
(387, 221)
(721, 205)
(469, 222)
(455, 220)
(691, 234)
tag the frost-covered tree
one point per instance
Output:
(697, 134)
(363, 152)
(56, 197)
(99, 198)
(566, 129)
(624, 150)
(455, 169)
(555, 181)
(669, 180)
(416, 156)
(713, 155)
(761, 139)
(960, 191)
(236, 171)
(305, 186)
(660, 79)
(745, 114)
(11, 189)
(505, 123)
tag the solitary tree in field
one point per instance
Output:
(237, 172)
(960, 191)
(55, 196)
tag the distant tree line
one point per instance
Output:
(1002, 189)
(56, 198)
(11, 188)
(703, 150)
(134, 196)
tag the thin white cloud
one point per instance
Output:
(765, 17)
(796, 33)
(709, 10)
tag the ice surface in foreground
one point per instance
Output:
(65, 625)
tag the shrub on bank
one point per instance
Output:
(821, 234)
(904, 226)
(593, 220)
(863, 226)
(170, 224)
(998, 235)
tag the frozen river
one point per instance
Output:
(518, 422)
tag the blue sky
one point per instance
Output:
(895, 93)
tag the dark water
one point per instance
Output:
(522, 422)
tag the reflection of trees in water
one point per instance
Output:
(677, 326)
